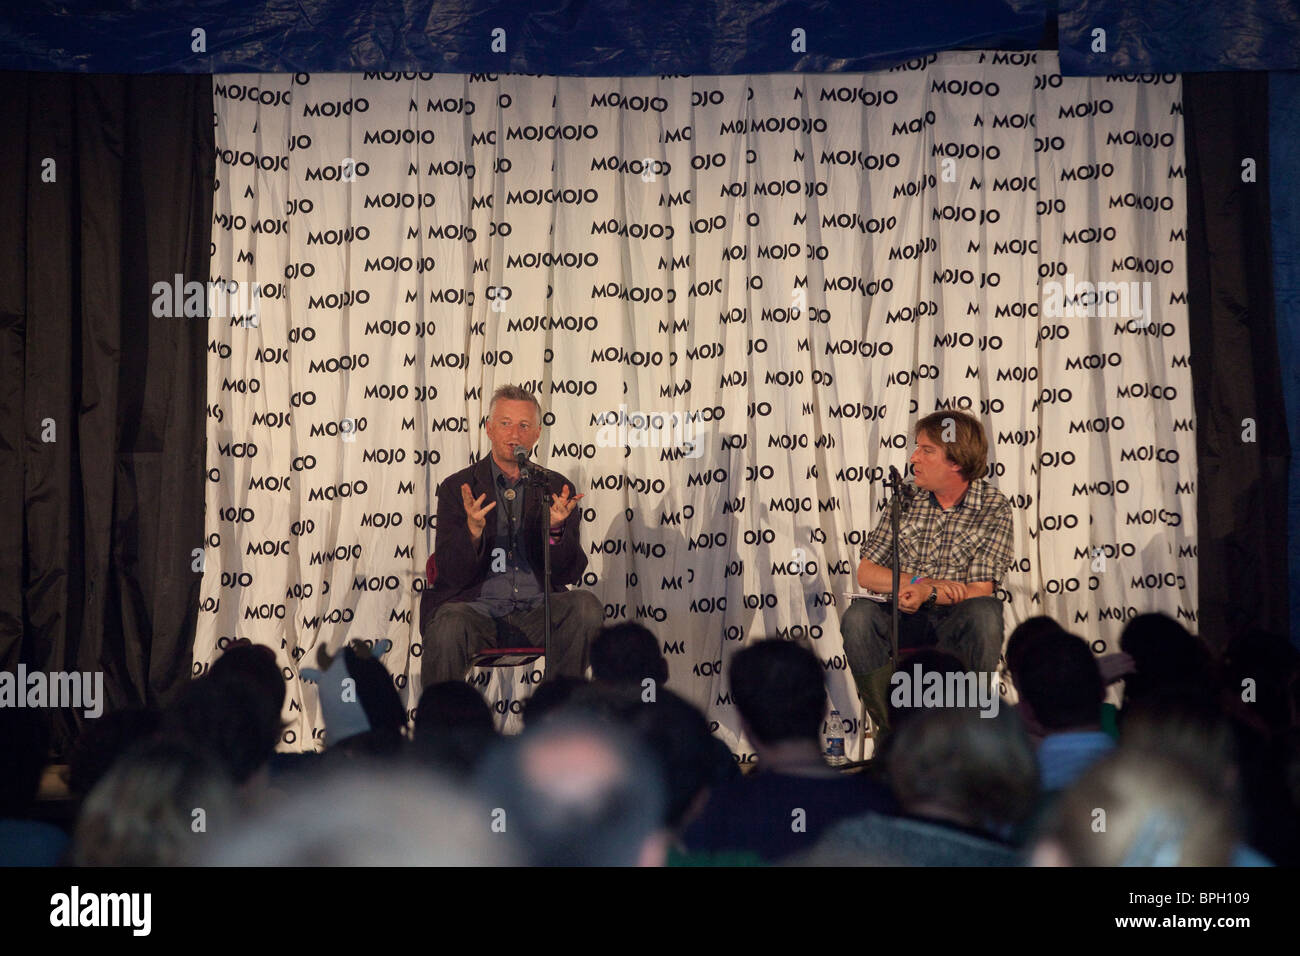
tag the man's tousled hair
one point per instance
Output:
(969, 449)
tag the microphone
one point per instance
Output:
(521, 459)
(907, 491)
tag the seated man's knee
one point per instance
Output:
(587, 609)
(455, 614)
(985, 613)
(859, 620)
(984, 622)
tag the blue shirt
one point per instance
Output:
(1063, 757)
(515, 588)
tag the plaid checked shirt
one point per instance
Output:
(971, 541)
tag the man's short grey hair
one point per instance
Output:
(598, 807)
(513, 393)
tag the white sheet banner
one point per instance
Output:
(795, 266)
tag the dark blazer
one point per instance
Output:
(462, 569)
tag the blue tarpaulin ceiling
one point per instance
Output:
(573, 37)
(624, 38)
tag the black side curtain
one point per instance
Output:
(108, 189)
(107, 186)
(1242, 484)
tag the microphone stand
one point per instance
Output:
(535, 478)
(895, 484)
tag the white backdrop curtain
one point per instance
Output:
(804, 264)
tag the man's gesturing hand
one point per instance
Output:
(475, 513)
(561, 506)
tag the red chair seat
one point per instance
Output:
(507, 656)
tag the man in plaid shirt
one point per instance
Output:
(955, 543)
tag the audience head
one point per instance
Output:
(1058, 677)
(952, 763)
(1165, 656)
(1024, 635)
(229, 718)
(550, 696)
(576, 792)
(627, 653)
(450, 706)
(688, 754)
(1158, 812)
(1185, 727)
(161, 804)
(453, 727)
(778, 688)
(369, 815)
(255, 664)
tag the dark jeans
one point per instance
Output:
(970, 630)
(458, 632)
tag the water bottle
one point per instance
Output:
(835, 740)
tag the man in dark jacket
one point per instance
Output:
(488, 556)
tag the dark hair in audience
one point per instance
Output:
(627, 653)
(607, 703)
(779, 690)
(231, 719)
(678, 735)
(980, 770)
(1059, 678)
(24, 746)
(549, 696)
(1165, 656)
(254, 663)
(452, 705)
(104, 740)
(145, 809)
(575, 792)
(1025, 633)
(453, 728)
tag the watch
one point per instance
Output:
(933, 599)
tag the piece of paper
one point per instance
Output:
(868, 595)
